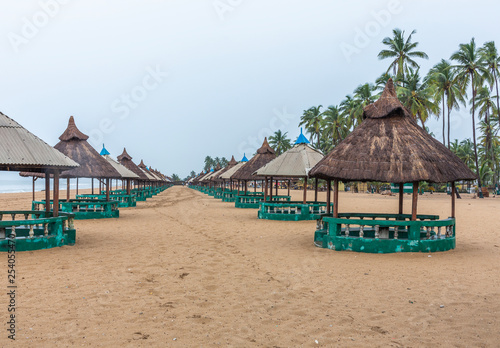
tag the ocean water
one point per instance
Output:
(11, 182)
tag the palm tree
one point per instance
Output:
(209, 162)
(335, 127)
(418, 97)
(443, 78)
(224, 162)
(363, 96)
(492, 61)
(192, 174)
(401, 52)
(279, 142)
(347, 108)
(471, 71)
(176, 177)
(311, 119)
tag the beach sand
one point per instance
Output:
(186, 270)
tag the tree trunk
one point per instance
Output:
(449, 113)
(479, 193)
(444, 140)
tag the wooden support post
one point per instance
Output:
(336, 198)
(92, 185)
(304, 198)
(316, 189)
(47, 192)
(401, 194)
(328, 198)
(34, 179)
(107, 189)
(246, 187)
(288, 186)
(265, 189)
(453, 199)
(255, 186)
(414, 201)
(271, 189)
(56, 193)
(128, 186)
(277, 188)
(77, 186)
(67, 189)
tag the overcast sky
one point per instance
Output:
(174, 81)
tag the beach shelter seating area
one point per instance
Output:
(20, 150)
(388, 146)
(294, 163)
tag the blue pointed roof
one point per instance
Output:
(104, 152)
(301, 139)
(244, 159)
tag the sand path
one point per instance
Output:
(186, 270)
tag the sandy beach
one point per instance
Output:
(186, 270)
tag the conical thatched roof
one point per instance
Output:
(125, 173)
(264, 155)
(22, 150)
(146, 171)
(296, 162)
(230, 165)
(126, 160)
(389, 146)
(74, 145)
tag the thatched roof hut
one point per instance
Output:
(294, 163)
(264, 155)
(389, 146)
(21, 150)
(74, 145)
(230, 165)
(126, 160)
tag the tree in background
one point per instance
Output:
(471, 72)
(311, 119)
(401, 52)
(279, 142)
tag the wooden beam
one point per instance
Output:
(401, 194)
(107, 189)
(414, 201)
(56, 193)
(304, 198)
(453, 199)
(47, 192)
(335, 198)
(265, 189)
(328, 197)
(315, 189)
(67, 189)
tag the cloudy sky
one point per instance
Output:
(176, 80)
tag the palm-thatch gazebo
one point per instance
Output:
(125, 198)
(20, 150)
(389, 146)
(246, 173)
(126, 160)
(293, 163)
(73, 143)
(218, 181)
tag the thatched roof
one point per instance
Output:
(22, 150)
(125, 173)
(230, 165)
(126, 160)
(264, 155)
(296, 162)
(74, 145)
(389, 146)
